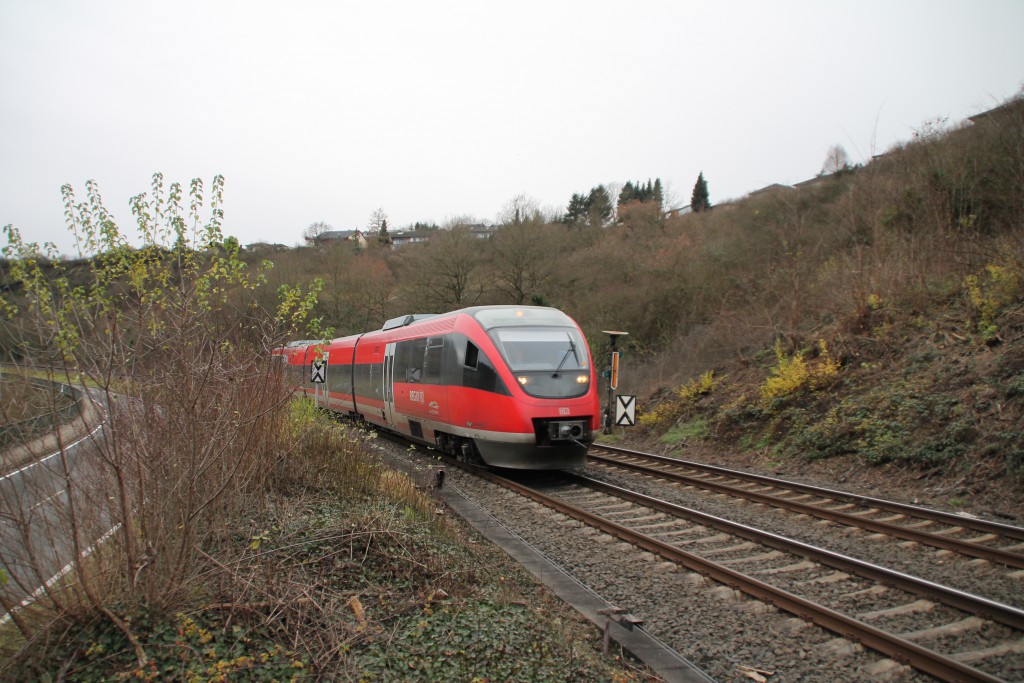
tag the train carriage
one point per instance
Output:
(511, 386)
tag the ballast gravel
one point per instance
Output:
(723, 632)
(980, 577)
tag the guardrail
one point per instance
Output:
(41, 424)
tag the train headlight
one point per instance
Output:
(523, 380)
(582, 379)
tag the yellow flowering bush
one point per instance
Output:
(795, 374)
(669, 410)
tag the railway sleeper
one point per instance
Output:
(954, 629)
(916, 607)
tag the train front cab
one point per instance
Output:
(543, 357)
(450, 382)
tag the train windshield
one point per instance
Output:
(548, 349)
(548, 362)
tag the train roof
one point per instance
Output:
(491, 316)
(514, 316)
(304, 342)
(487, 316)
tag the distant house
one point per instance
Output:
(480, 231)
(403, 237)
(329, 237)
(678, 211)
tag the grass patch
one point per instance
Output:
(694, 429)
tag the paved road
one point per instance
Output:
(36, 543)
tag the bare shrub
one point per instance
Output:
(444, 274)
(194, 406)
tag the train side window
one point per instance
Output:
(409, 360)
(432, 357)
(472, 355)
(482, 375)
(340, 379)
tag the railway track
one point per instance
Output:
(907, 619)
(969, 536)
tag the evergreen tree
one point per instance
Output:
(382, 234)
(595, 208)
(628, 193)
(700, 200)
(577, 209)
(641, 192)
(599, 205)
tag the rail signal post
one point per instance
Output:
(613, 379)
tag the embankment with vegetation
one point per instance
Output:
(869, 326)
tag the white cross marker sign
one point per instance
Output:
(319, 372)
(625, 411)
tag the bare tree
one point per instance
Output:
(835, 160)
(370, 291)
(445, 271)
(315, 230)
(460, 221)
(378, 219)
(524, 261)
(518, 210)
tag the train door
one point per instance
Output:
(388, 390)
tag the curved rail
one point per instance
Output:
(928, 661)
(1006, 614)
(975, 523)
(964, 547)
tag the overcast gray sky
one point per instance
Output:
(327, 111)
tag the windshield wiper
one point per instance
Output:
(572, 350)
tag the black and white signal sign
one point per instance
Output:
(625, 411)
(318, 373)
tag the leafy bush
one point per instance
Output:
(992, 292)
(670, 409)
(194, 647)
(447, 641)
(792, 375)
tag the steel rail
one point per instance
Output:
(1010, 559)
(981, 525)
(904, 651)
(968, 602)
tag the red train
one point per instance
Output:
(511, 386)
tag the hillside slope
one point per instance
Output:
(868, 330)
